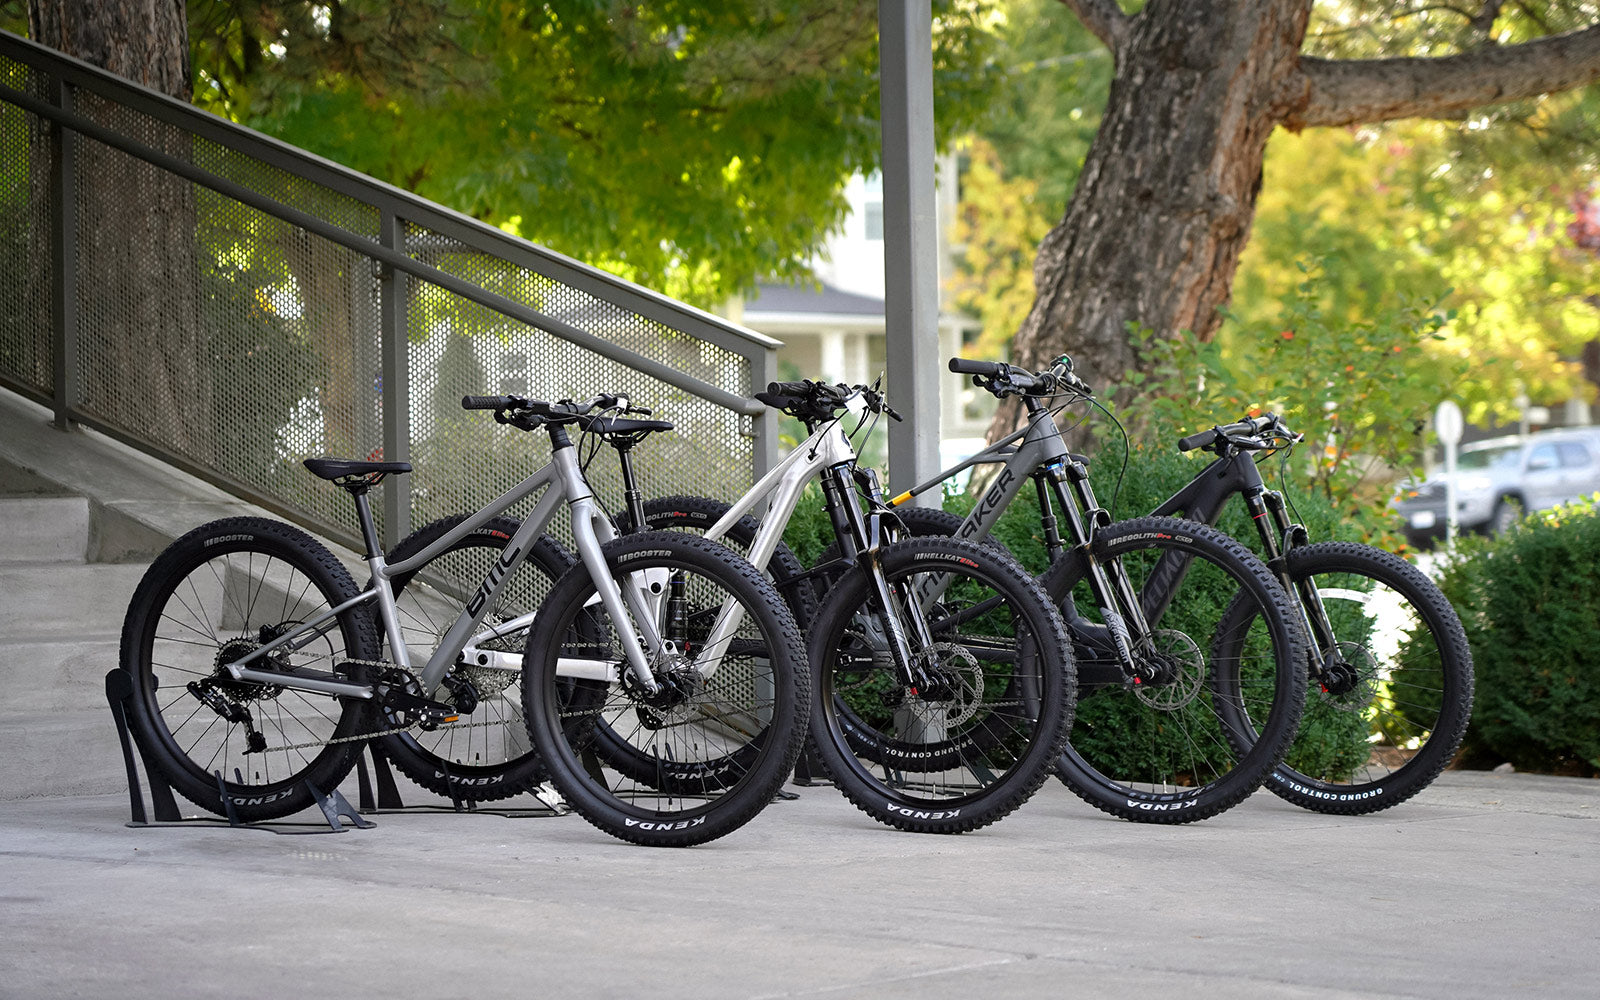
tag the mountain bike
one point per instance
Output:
(1389, 663)
(943, 683)
(1191, 666)
(256, 666)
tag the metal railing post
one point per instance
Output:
(393, 325)
(767, 449)
(65, 386)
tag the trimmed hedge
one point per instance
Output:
(1530, 602)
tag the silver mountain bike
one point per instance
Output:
(662, 679)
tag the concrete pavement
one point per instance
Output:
(1486, 885)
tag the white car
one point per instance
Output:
(1499, 479)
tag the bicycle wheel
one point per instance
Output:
(486, 755)
(1157, 751)
(704, 755)
(697, 514)
(220, 591)
(1395, 689)
(979, 738)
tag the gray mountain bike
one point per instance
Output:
(662, 679)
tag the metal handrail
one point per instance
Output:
(386, 247)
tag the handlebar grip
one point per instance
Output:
(487, 402)
(967, 366)
(789, 388)
(1199, 440)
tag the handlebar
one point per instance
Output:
(532, 412)
(1004, 380)
(816, 401)
(1251, 433)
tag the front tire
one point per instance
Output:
(1399, 674)
(704, 755)
(978, 743)
(1157, 752)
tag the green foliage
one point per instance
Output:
(695, 148)
(1403, 212)
(1530, 602)
(1468, 214)
(1359, 389)
(999, 226)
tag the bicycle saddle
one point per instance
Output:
(338, 468)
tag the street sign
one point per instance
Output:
(1447, 422)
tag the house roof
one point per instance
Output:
(826, 301)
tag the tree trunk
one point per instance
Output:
(1169, 186)
(139, 286)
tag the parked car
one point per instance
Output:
(1499, 479)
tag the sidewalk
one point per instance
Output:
(1486, 885)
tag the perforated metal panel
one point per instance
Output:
(25, 162)
(217, 326)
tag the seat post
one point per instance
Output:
(630, 486)
(369, 531)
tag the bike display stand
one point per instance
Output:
(387, 798)
(334, 806)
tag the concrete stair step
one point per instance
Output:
(49, 602)
(43, 529)
(53, 677)
(61, 753)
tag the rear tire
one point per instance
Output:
(215, 594)
(487, 755)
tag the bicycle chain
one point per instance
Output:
(362, 737)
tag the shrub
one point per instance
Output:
(1530, 602)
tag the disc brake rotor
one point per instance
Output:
(1183, 663)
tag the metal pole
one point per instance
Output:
(64, 381)
(910, 239)
(394, 345)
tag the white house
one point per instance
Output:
(836, 332)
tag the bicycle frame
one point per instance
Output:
(562, 480)
(1037, 452)
(827, 453)
(1203, 499)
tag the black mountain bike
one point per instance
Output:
(1390, 668)
(1191, 665)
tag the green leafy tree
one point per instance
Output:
(695, 148)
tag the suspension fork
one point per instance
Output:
(1279, 536)
(865, 534)
(1114, 595)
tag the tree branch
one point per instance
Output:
(1354, 91)
(1103, 18)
